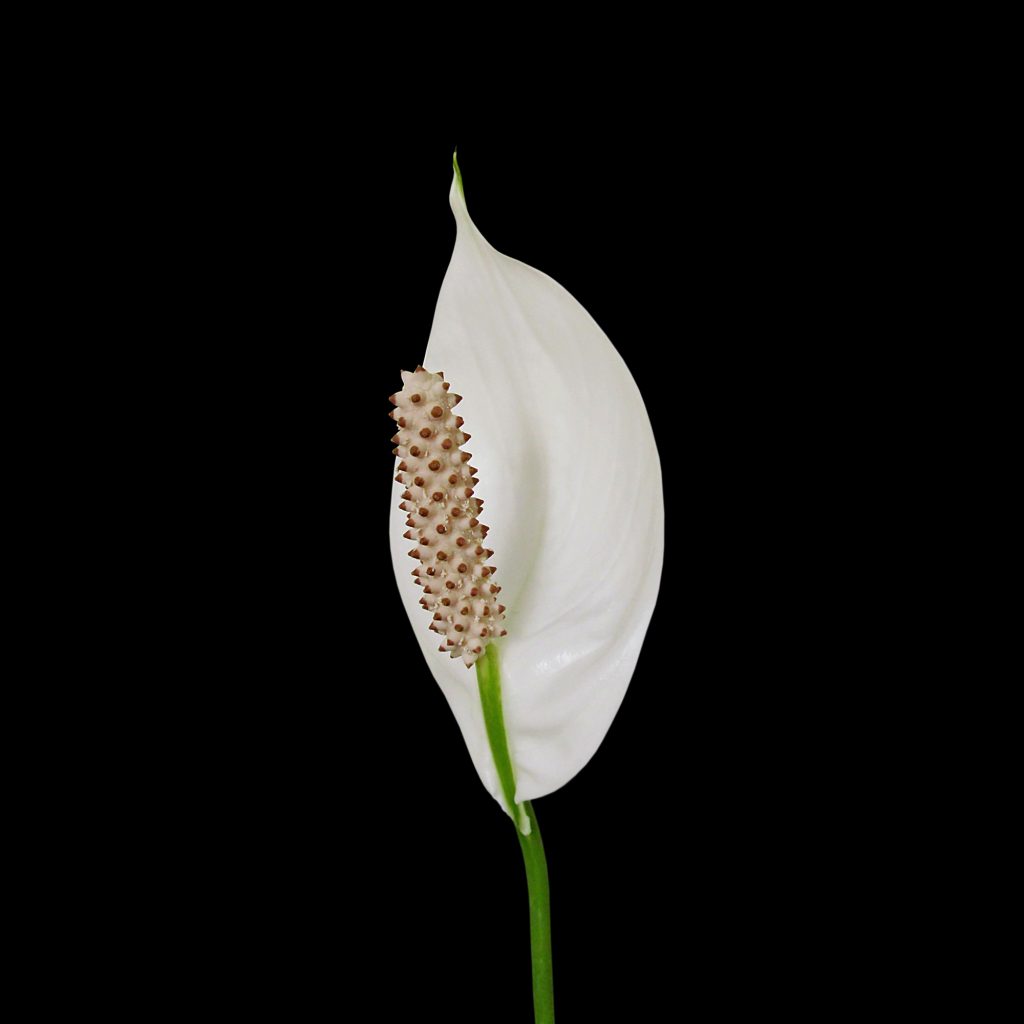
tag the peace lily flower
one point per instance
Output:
(563, 488)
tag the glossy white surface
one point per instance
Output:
(570, 475)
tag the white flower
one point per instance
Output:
(569, 471)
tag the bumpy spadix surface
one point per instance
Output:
(568, 466)
(459, 589)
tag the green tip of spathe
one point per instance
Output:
(458, 173)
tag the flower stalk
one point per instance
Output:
(488, 673)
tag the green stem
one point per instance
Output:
(540, 920)
(488, 676)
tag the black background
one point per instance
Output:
(255, 797)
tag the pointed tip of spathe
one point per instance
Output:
(458, 172)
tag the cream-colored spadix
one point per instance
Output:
(567, 464)
(444, 517)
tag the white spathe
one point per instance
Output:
(571, 481)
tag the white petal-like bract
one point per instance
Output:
(569, 471)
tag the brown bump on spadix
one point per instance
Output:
(424, 403)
